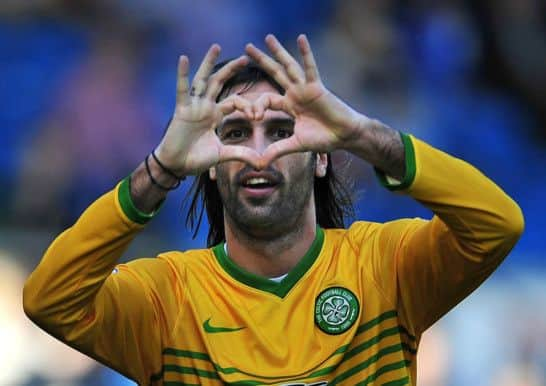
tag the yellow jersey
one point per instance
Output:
(350, 313)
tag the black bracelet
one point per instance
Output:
(154, 181)
(166, 169)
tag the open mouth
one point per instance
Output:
(259, 184)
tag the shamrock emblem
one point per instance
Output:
(335, 310)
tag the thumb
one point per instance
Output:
(240, 153)
(280, 148)
(270, 101)
(236, 102)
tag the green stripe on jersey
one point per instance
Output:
(363, 365)
(399, 382)
(191, 370)
(383, 370)
(317, 373)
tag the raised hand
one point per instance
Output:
(323, 121)
(190, 144)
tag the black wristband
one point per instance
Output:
(166, 169)
(154, 181)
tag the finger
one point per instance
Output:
(270, 101)
(240, 153)
(182, 83)
(217, 81)
(292, 67)
(309, 64)
(278, 149)
(199, 83)
(276, 70)
(235, 102)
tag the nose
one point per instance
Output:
(259, 141)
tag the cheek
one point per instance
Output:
(225, 172)
(222, 179)
(222, 174)
(298, 166)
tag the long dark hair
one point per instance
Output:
(333, 202)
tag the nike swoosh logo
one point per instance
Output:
(212, 329)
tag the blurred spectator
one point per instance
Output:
(366, 33)
(434, 358)
(519, 31)
(97, 132)
(29, 355)
(518, 374)
(34, 55)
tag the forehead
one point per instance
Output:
(252, 94)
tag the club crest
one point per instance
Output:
(336, 310)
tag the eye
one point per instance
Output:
(282, 132)
(234, 134)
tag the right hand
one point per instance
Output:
(190, 144)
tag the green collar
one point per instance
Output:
(264, 284)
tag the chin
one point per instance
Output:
(262, 222)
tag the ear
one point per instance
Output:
(212, 173)
(321, 164)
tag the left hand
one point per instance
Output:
(323, 121)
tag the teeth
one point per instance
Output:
(257, 180)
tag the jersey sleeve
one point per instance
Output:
(117, 315)
(427, 267)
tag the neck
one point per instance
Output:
(271, 256)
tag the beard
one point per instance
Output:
(274, 215)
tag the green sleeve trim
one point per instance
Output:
(127, 205)
(409, 153)
(263, 283)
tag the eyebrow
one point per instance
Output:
(273, 122)
(234, 122)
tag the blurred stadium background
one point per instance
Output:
(87, 87)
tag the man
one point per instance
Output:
(278, 299)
